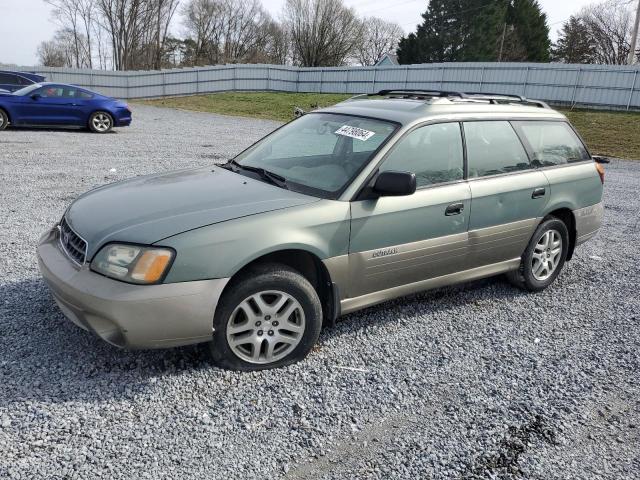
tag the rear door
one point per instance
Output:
(400, 240)
(508, 194)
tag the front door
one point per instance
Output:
(50, 105)
(402, 240)
(508, 195)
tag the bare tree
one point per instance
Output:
(378, 38)
(75, 17)
(51, 54)
(278, 45)
(609, 24)
(243, 25)
(229, 31)
(322, 32)
(202, 21)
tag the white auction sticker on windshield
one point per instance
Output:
(355, 132)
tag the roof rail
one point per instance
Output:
(418, 92)
(492, 98)
(495, 98)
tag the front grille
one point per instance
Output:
(72, 244)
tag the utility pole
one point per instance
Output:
(634, 37)
(504, 33)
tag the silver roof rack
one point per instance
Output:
(492, 98)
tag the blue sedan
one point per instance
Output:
(56, 104)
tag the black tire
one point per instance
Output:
(524, 277)
(4, 120)
(265, 278)
(100, 122)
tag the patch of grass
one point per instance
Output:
(266, 105)
(615, 134)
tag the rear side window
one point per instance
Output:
(493, 148)
(8, 79)
(552, 143)
(433, 152)
(83, 95)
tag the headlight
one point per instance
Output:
(133, 263)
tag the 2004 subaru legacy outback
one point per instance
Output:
(340, 209)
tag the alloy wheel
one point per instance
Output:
(266, 327)
(101, 122)
(546, 255)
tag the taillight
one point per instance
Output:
(600, 169)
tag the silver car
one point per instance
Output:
(346, 207)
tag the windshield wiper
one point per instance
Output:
(271, 177)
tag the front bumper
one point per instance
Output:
(131, 316)
(123, 118)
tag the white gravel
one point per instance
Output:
(477, 381)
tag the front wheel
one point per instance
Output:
(544, 257)
(4, 120)
(268, 318)
(100, 122)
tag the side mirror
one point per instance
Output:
(395, 184)
(36, 96)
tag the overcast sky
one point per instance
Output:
(26, 23)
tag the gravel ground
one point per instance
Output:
(476, 381)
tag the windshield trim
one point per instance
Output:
(317, 192)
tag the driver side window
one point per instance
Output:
(433, 152)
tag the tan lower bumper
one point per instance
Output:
(131, 316)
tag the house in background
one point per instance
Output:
(388, 60)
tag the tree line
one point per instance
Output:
(137, 34)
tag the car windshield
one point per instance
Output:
(27, 90)
(319, 153)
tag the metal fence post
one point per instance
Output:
(633, 87)
(575, 88)
(481, 79)
(321, 79)
(234, 66)
(442, 77)
(406, 77)
(197, 80)
(373, 84)
(347, 82)
(526, 79)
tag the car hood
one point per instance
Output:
(151, 208)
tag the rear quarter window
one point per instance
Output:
(552, 143)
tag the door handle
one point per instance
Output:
(539, 192)
(454, 209)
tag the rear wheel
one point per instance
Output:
(100, 122)
(4, 120)
(268, 318)
(544, 257)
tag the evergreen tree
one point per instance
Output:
(530, 28)
(483, 22)
(438, 38)
(478, 30)
(575, 44)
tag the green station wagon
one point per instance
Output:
(346, 207)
